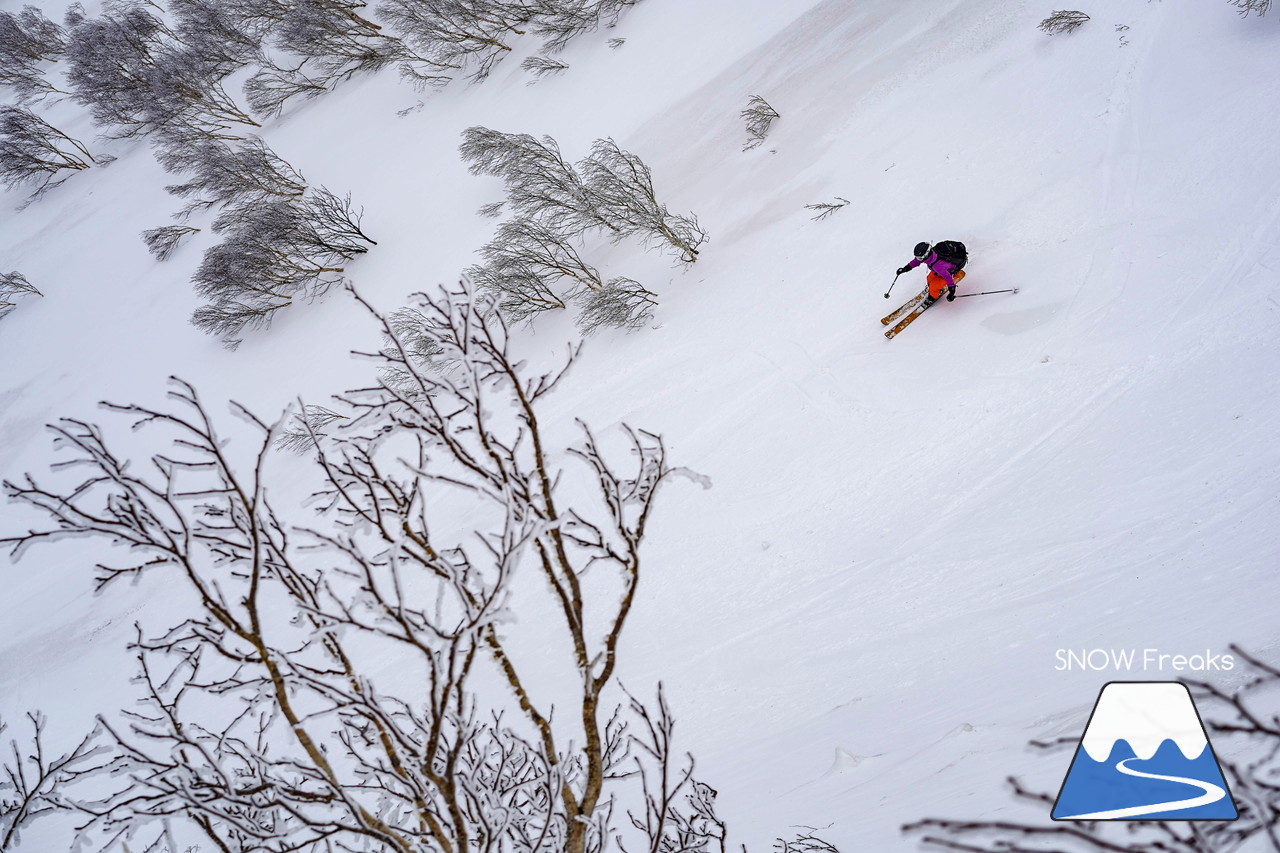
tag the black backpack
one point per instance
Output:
(953, 252)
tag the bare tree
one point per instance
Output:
(1063, 22)
(1247, 7)
(13, 284)
(619, 302)
(110, 61)
(32, 151)
(1245, 716)
(759, 116)
(28, 39)
(275, 251)
(541, 66)
(332, 41)
(224, 176)
(533, 246)
(540, 183)
(129, 68)
(521, 293)
(445, 37)
(215, 32)
(264, 725)
(621, 189)
(162, 241)
(562, 21)
(679, 811)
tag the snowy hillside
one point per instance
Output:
(856, 624)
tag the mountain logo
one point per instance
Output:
(1144, 755)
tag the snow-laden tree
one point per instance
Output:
(621, 189)
(129, 68)
(449, 37)
(621, 303)
(215, 33)
(162, 241)
(274, 252)
(539, 182)
(222, 175)
(532, 268)
(31, 778)
(27, 39)
(110, 58)
(269, 718)
(34, 152)
(561, 21)
(13, 285)
(316, 45)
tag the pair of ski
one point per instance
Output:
(906, 315)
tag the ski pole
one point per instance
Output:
(986, 293)
(890, 290)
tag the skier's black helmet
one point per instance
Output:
(923, 250)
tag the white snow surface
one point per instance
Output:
(857, 624)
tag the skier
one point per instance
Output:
(944, 262)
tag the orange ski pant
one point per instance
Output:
(937, 283)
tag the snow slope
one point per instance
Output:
(857, 624)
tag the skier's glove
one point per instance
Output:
(901, 270)
(951, 293)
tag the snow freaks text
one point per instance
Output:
(1144, 660)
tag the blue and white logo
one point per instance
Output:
(1144, 755)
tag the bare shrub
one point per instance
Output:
(14, 284)
(1063, 22)
(161, 242)
(620, 302)
(759, 117)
